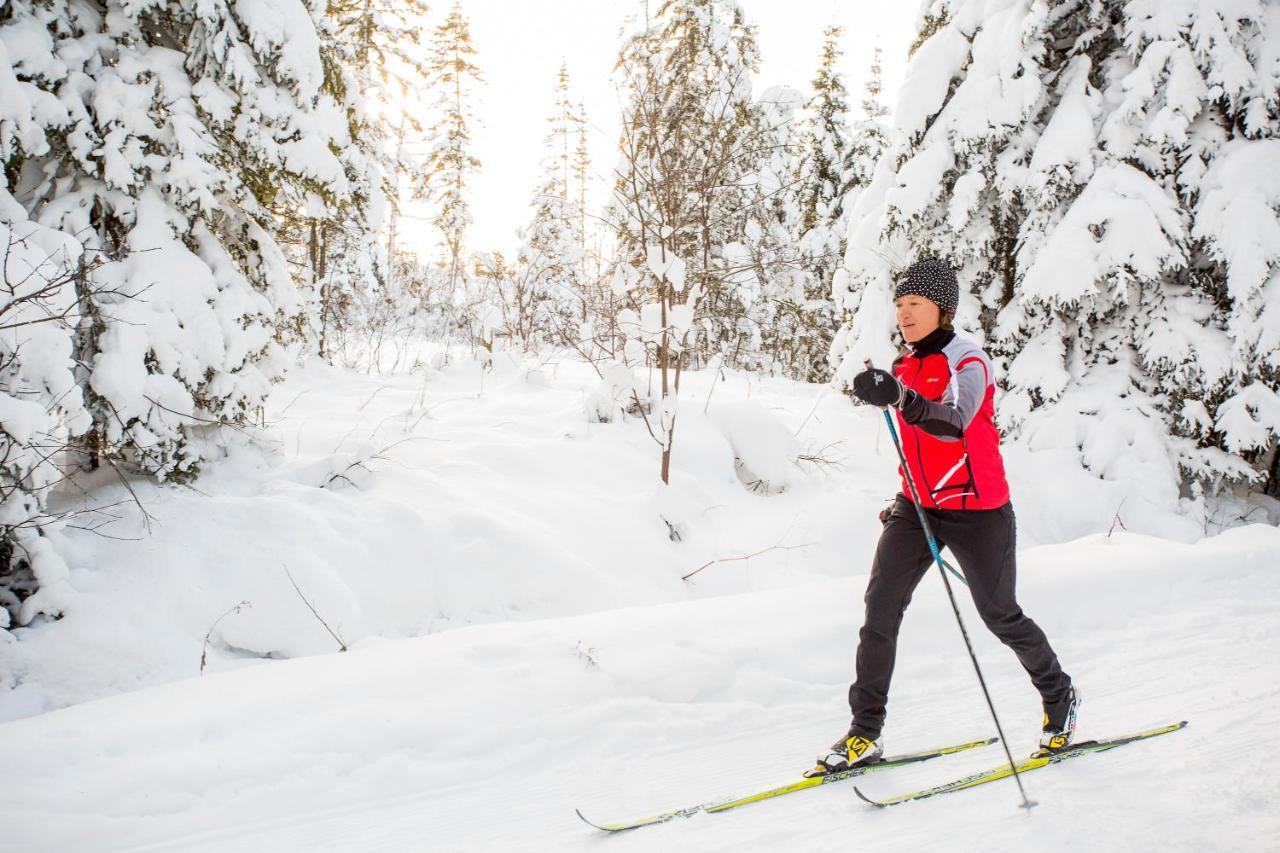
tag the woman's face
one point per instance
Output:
(917, 317)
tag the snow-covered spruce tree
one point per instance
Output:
(836, 159)
(333, 242)
(377, 52)
(581, 178)
(597, 340)
(169, 134)
(42, 407)
(773, 284)
(1081, 164)
(828, 170)
(452, 77)
(549, 304)
(383, 49)
(870, 138)
(1198, 93)
(872, 109)
(179, 133)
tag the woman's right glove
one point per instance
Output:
(879, 388)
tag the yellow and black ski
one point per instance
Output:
(808, 782)
(1035, 762)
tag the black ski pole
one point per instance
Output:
(946, 582)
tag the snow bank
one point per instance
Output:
(414, 504)
(767, 452)
(488, 738)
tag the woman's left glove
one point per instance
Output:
(879, 388)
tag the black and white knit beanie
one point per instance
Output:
(934, 280)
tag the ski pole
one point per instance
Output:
(955, 573)
(937, 557)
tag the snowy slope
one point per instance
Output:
(407, 505)
(522, 643)
(487, 738)
(412, 503)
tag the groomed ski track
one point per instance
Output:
(488, 738)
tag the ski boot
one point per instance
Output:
(850, 750)
(1059, 729)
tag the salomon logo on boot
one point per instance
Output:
(845, 753)
(1059, 728)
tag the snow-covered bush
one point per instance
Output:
(41, 406)
(617, 393)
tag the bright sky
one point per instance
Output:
(519, 47)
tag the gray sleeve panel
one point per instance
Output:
(969, 382)
(960, 402)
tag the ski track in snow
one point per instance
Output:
(614, 695)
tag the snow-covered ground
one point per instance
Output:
(522, 643)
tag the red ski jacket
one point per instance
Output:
(948, 428)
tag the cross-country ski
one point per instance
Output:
(1037, 761)
(790, 788)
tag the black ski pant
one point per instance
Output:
(983, 543)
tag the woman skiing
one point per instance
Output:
(943, 392)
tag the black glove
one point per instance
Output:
(878, 387)
(913, 407)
